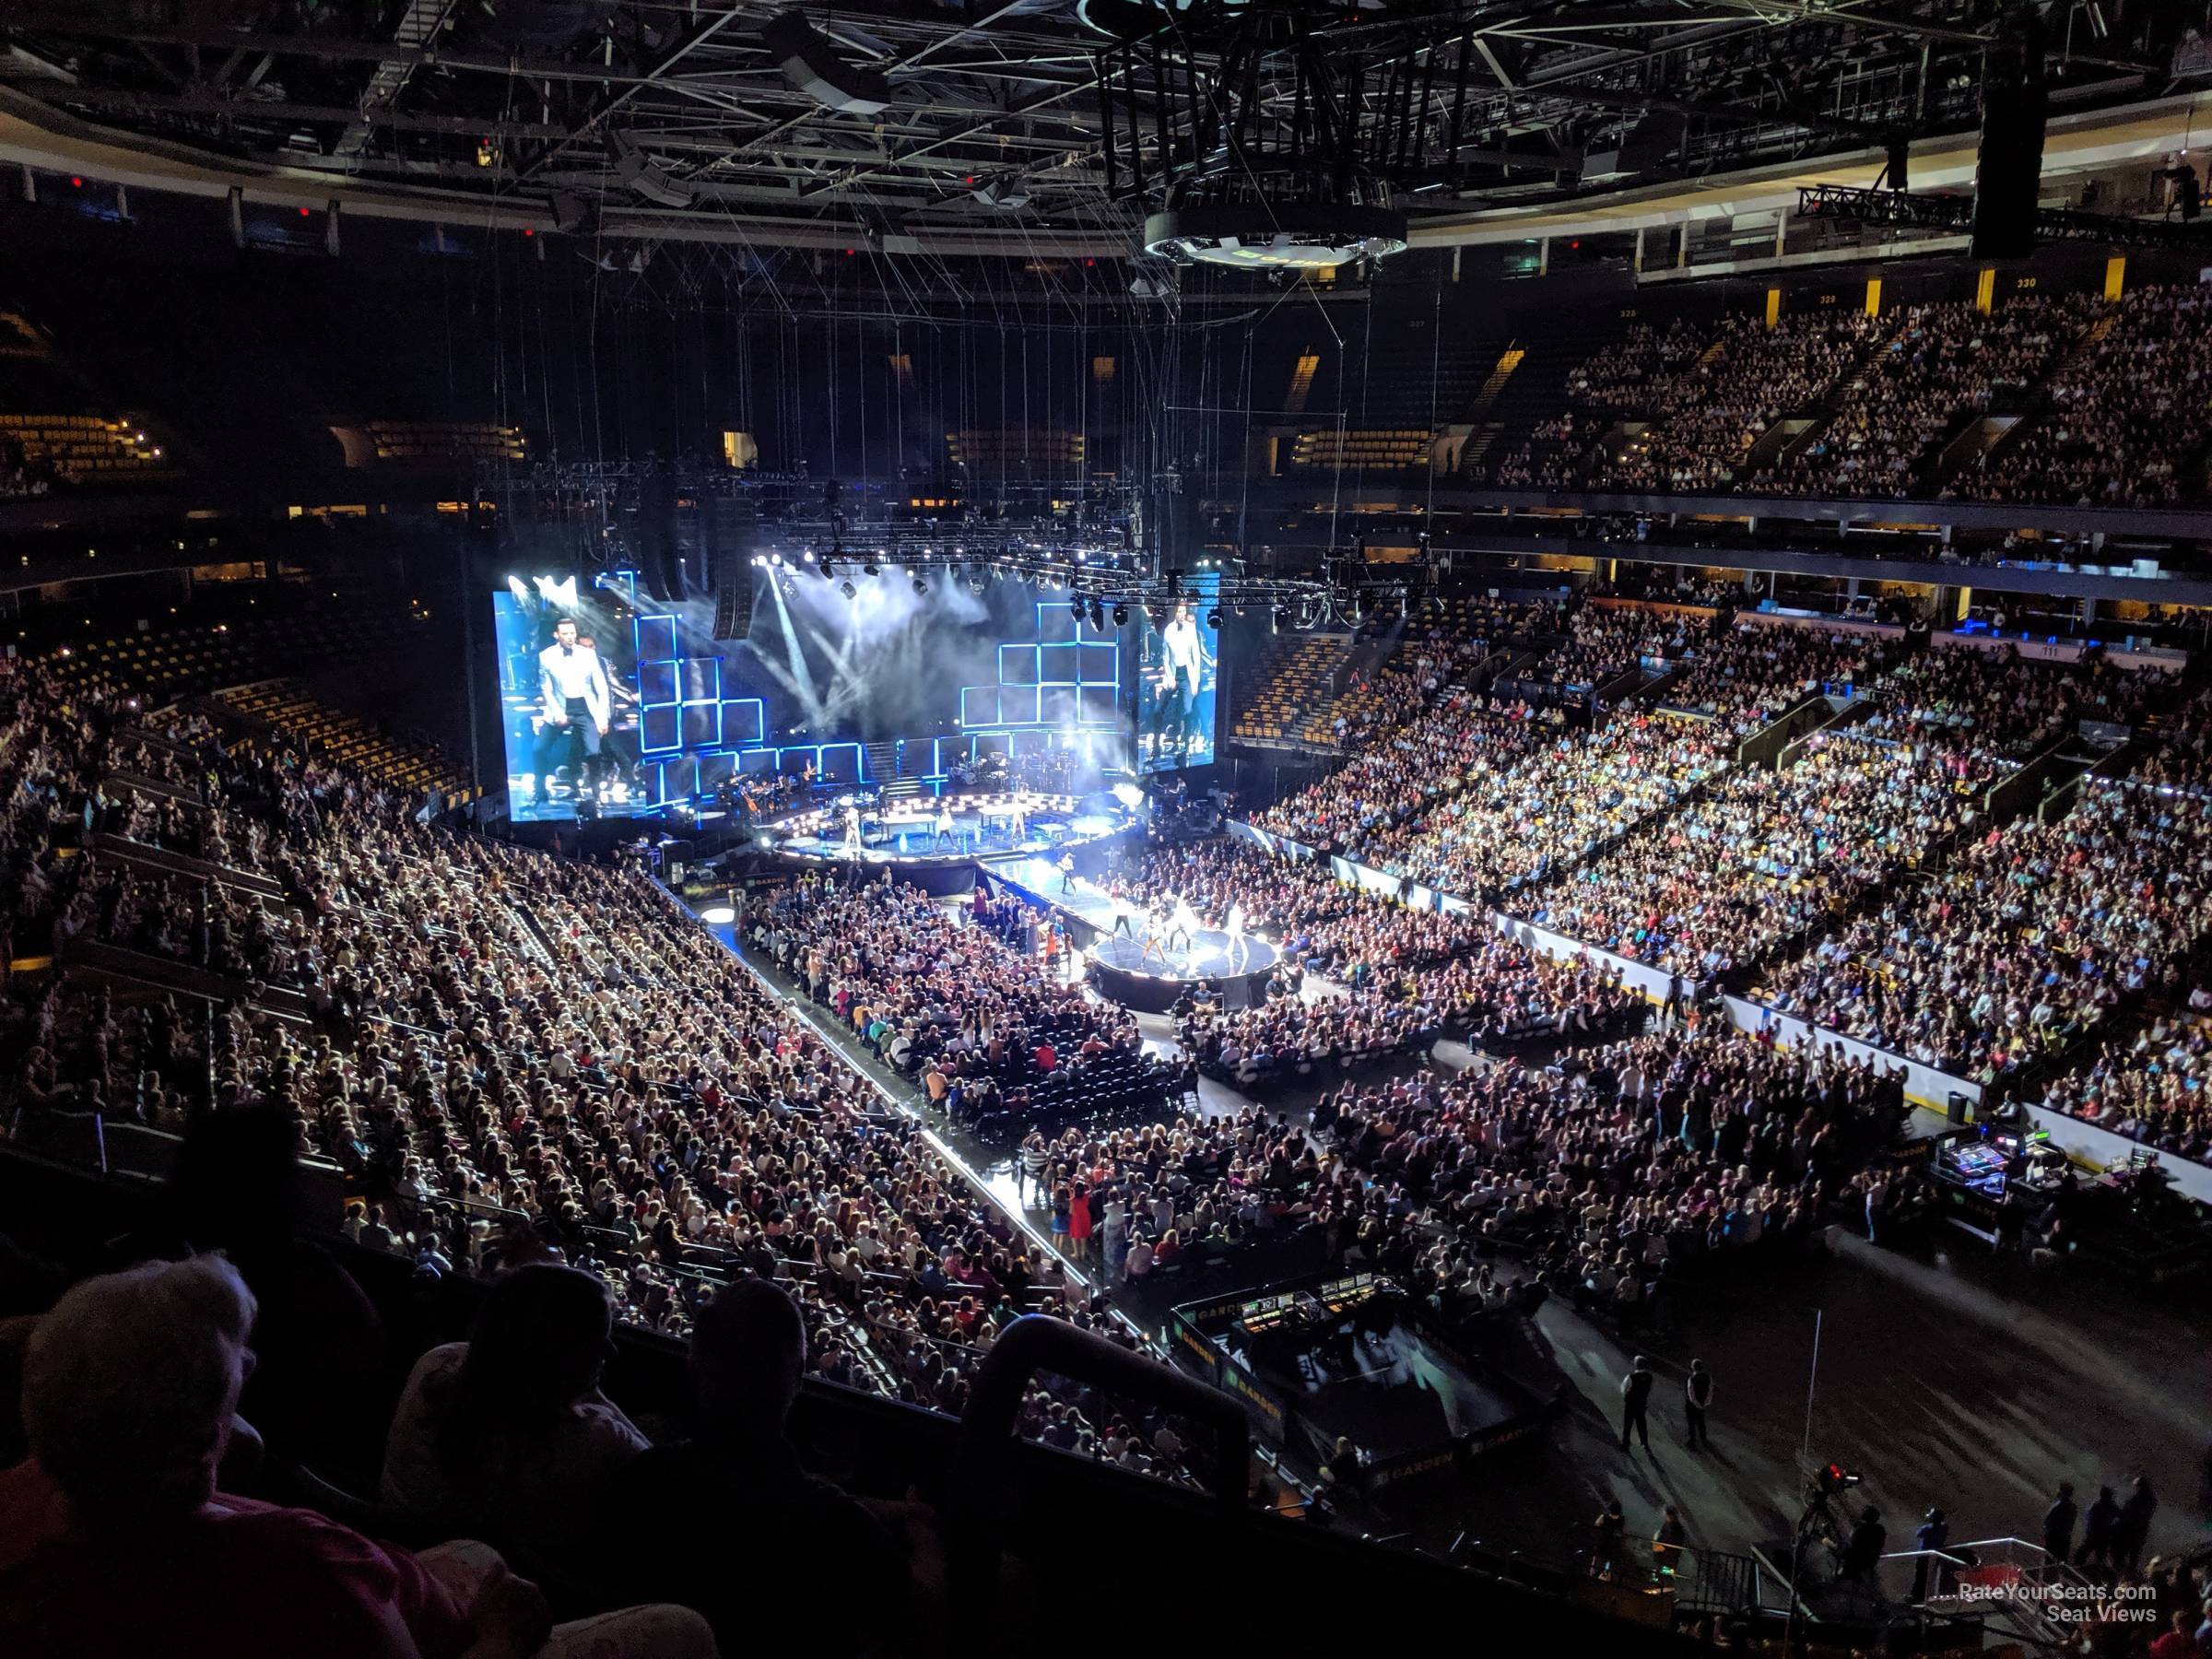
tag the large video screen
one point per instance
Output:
(1178, 674)
(569, 700)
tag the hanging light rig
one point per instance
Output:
(1277, 134)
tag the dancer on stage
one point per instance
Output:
(1122, 911)
(1150, 945)
(1181, 922)
(1068, 872)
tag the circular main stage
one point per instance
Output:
(904, 838)
(1150, 980)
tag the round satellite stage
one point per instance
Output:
(1150, 979)
(910, 838)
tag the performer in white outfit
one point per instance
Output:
(574, 705)
(853, 841)
(1237, 949)
(945, 824)
(1182, 923)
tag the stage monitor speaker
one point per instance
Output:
(733, 603)
(2008, 168)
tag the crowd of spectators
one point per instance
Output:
(1709, 415)
(507, 1056)
(1635, 374)
(989, 1030)
(1550, 806)
(2002, 705)
(2029, 940)
(1319, 922)
(1612, 1175)
(1941, 363)
(1760, 859)
(2124, 426)
(1466, 790)
(1752, 675)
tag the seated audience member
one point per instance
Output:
(319, 1353)
(507, 1434)
(737, 1525)
(115, 1540)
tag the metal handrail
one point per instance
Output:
(1942, 1555)
(983, 1455)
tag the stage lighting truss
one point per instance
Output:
(1098, 580)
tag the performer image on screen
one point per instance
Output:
(619, 750)
(1180, 680)
(575, 705)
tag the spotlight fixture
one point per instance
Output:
(920, 587)
(1213, 618)
(1121, 614)
(870, 568)
(1281, 619)
(1098, 617)
(848, 590)
(1074, 609)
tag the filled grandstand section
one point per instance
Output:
(822, 834)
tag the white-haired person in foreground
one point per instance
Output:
(115, 1541)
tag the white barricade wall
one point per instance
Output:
(2102, 1147)
(1924, 1084)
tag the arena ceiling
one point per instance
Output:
(980, 128)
